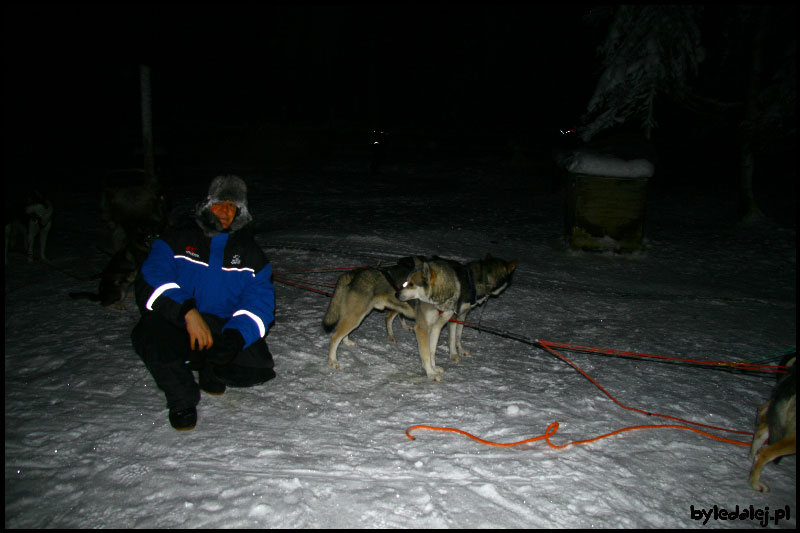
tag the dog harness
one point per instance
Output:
(389, 278)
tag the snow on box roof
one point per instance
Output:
(580, 162)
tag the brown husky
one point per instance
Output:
(358, 292)
(777, 422)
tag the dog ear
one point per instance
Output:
(511, 266)
(428, 273)
(426, 270)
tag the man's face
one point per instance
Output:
(225, 212)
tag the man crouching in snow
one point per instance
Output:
(207, 302)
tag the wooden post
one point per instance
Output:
(147, 122)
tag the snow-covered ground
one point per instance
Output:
(88, 444)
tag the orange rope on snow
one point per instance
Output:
(547, 434)
(546, 345)
(553, 428)
(776, 369)
(736, 365)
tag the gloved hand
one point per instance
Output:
(226, 347)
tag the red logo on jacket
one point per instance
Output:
(191, 250)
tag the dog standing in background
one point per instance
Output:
(133, 206)
(28, 219)
(118, 276)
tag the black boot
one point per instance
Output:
(183, 419)
(209, 383)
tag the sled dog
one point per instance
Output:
(443, 289)
(776, 421)
(30, 219)
(360, 291)
(133, 206)
(485, 278)
(119, 274)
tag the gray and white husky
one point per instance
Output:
(360, 291)
(444, 289)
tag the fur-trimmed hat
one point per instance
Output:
(227, 188)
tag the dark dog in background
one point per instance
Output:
(133, 205)
(120, 273)
(27, 216)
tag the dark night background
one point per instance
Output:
(254, 89)
(473, 98)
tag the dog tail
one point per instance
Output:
(334, 307)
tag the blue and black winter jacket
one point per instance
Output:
(226, 275)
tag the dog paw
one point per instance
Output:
(756, 484)
(461, 353)
(334, 364)
(436, 374)
(348, 342)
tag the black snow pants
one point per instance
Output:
(164, 349)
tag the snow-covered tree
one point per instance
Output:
(649, 51)
(769, 101)
(652, 54)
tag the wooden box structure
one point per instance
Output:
(606, 213)
(606, 201)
